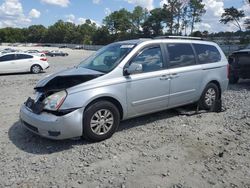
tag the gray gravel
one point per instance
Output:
(159, 150)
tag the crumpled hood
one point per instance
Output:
(76, 71)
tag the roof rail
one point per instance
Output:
(178, 37)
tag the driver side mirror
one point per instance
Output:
(133, 69)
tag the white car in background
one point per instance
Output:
(35, 52)
(22, 62)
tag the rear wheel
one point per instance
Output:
(210, 96)
(101, 120)
(35, 69)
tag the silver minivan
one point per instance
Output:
(125, 80)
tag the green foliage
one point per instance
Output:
(153, 25)
(174, 17)
(119, 21)
(232, 15)
(196, 10)
(36, 33)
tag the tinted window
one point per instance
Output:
(23, 56)
(180, 55)
(207, 53)
(243, 58)
(7, 57)
(150, 59)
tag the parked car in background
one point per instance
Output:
(32, 51)
(239, 62)
(8, 50)
(125, 80)
(56, 53)
(63, 46)
(22, 62)
(45, 51)
(36, 52)
(78, 47)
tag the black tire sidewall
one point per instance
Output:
(202, 102)
(87, 132)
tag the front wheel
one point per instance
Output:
(209, 97)
(101, 120)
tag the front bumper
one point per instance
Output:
(52, 126)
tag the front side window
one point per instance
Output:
(9, 57)
(180, 55)
(150, 59)
(107, 58)
(207, 53)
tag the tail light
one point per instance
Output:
(228, 70)
(43, 59)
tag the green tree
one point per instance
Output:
(102, 36)
(87, 31)
(118, 21)
(171, 13)
(138, 16)
(232, 15)
(56, 32)
(154, 24)
(196, 10)
(36, 33)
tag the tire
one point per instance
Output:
(209, 97)
(96, 126)
(35, 69)
(233, 79)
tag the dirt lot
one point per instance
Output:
(158, 150)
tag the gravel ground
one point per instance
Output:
(159, 150)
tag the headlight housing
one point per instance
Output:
(55, 101)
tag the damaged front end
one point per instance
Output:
(52, 91)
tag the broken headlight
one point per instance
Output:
(54, 101)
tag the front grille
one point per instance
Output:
(30, 127)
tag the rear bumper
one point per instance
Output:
(52, 126)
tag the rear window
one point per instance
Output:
(207, 53)
(243, 57)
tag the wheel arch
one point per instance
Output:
(110, 99)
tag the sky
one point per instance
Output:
(22, 13)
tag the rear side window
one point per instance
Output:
(207, 53)
(180, 55)
(7, 57)
(23, 56)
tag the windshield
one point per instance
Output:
(107, 58)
